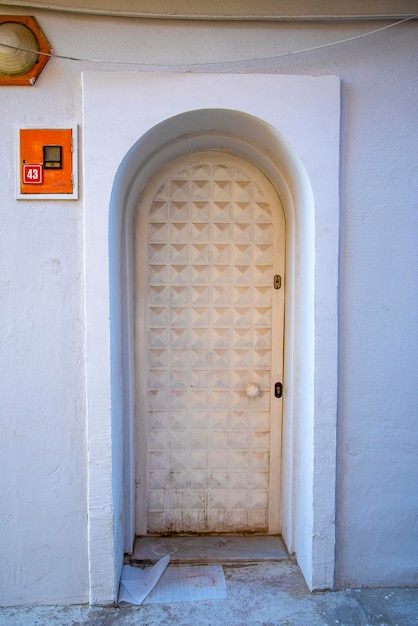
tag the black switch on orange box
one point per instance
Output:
(53, 157)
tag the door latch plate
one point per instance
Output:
(277, 282)
(278, 390)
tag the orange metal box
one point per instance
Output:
(46, 162)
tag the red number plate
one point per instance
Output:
(32, 174)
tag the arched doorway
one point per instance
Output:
(111, 193)
(258, 144)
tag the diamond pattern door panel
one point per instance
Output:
(208, 324)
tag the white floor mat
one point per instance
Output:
(184, 583)
(161, 584)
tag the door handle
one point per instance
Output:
(252, 390)
(278, 390)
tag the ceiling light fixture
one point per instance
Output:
(21, 41)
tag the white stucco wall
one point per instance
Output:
(43, 457)
(43, 538)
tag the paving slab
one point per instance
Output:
(263, 594)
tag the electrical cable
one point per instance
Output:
(206, 63)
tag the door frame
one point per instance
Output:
(257, 109)
(195, 136)
(248, 138)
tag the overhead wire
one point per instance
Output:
(211, 63)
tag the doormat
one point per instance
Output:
(178, 583)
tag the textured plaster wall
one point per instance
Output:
(43, 539)
(378, 430)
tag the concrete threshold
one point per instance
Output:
(202, 549)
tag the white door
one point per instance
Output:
(209, 348)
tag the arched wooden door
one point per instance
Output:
(209, 314)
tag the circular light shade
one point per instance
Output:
(18, 58)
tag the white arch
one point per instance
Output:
(261, 144)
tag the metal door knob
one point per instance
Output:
(252, 390)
